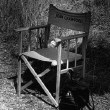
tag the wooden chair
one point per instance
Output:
(56, 56)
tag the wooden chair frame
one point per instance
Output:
(55, 101)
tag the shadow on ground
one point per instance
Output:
(98, 64)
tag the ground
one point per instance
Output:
(10, 101)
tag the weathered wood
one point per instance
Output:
(26, 85)
(44, 72)
(84, 45)
(73, 36)
(67, 63)
(19, 79)
(47, 33)
(19, 67)
(72, 68)
(76, 51)
(65, 70)
(58, 73)
(20, 42)
(29, 40)
(40, 38)
(22, 29)
(29, 28)
(38, 27)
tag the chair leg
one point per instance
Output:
(58, 73)
(19, 79)
(19, 67)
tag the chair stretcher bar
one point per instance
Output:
(66, 70)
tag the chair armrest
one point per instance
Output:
(22, 29)
(73, 36)
(30, 28)
(56, 41)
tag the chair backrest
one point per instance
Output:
(74, 21)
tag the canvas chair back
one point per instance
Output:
(74, 21)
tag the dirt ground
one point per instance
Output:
(10, 101)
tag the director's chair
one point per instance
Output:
(56, 56)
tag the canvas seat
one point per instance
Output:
(50, 55)
(56, 56)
